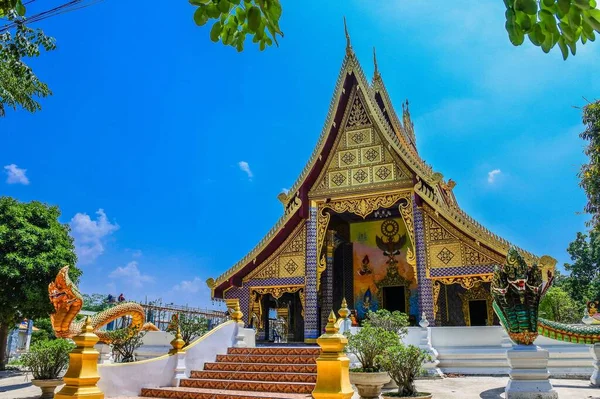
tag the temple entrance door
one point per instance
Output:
(394, 298)
(282, 319)
(478, 312)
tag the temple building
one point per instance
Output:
(367, 221)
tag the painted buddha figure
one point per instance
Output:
(365, 267)
(591, 315)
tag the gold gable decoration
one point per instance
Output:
(360, 158)
(288, 261)
(447, 247)
(364, 206)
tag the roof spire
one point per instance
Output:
(348, 44)
(376, 74)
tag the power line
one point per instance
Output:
(70, 6)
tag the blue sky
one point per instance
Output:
(141, 143)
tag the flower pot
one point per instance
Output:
(419, 395)
(369, 384)
(47, 386)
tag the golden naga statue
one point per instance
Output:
(67, 302)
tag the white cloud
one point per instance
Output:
(131, 274)
(90, 235)
(16, 175)
(492, 175)
(244, 167)
(190, 286)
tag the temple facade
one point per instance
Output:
(367, 221)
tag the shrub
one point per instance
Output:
(191, 327)
(47, 359)
(124, 342)
(391, 321)
(369, 342)
(403, 363)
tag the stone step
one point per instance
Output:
(255, 386)
(198, 393)
(277, 350)
(286, 359)
(243, 374)
(262, 367)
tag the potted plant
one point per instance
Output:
(396, 322)
(403, 363)
(46, 360)
(367, 344)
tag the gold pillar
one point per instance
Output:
(333, 366)
(82, 375)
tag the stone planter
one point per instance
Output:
(369, 384)
(47, 386)
(420, 395)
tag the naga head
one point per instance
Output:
(517, 290)
(67, 302)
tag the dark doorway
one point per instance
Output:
(394, 299)
(478, 312)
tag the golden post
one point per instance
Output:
(333, 366)
(82, 374)
(178, 343)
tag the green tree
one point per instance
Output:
(191, 327)
(34, 246)
(584, 280)
(124, 343)
(557, 305)
(547, 23)
(590, 172)
(236, 19)
(44, 332)
(19, 86)
(95, 302)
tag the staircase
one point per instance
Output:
(250, 373)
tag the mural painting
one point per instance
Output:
(382, 276)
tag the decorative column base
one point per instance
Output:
(529, 376)
(595, 378)
(239, 337)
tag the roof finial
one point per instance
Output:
(348, 44)
(376, 74)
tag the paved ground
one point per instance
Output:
(17, 386)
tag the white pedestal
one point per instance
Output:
(529, 373)
(239, 337)
(595, 378)
(430, 367)
(179, 372)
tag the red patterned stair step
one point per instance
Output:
(196, 393)
(255, 386)
(275, 350)
(243, 374)
(287, 359)
(262, 367)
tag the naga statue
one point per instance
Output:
(517, 290)
(67, 302)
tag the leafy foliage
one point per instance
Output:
(590, 172)
(235, 19)
(547, 23)
(403, 364)
(584, 282)
(34, 246)
(395, 321)
(191, 327)
(557, 305)
(369, 342)
(47, 359)
(45, 331)
(124, 343)
(95, 302)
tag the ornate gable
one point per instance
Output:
(360, 158)
(288, 261)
